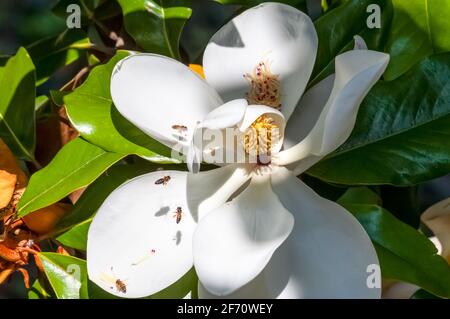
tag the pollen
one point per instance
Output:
(264, 86)
(260, 137)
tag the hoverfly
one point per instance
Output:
(164, 180)
(178, 214)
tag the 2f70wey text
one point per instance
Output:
(231, 308)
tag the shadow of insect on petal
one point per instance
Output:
(177, 237)
(162, 211)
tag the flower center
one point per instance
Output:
(264, 87)
(260, 137)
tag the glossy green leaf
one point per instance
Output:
(156, 25)
(93, 114)
(39, 103)
(402, 132)
(58, 96)
(423, 294)
(52, 53)
(403, 252)
(76, 237)
(337, 28)
(17, 98)
(67, 275)
(76, 165)
(419, 29)
(360, 195)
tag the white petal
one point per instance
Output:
(360, 44)
(139, 216)
(274, 33)
(234, 243)
(221, 118)
(325, 256)
(155, 93)
(227, 115)
(356, 72)
(307, 112)
(437, 218)
(328, 251)
(135, 219)
(210, 189)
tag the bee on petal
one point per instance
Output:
(178, 214)
(164, 180)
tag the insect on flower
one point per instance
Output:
(112, 280)
(164, 180)
(178, 214)
(179, 128)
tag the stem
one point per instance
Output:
(36, 164)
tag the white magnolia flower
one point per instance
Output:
(249, 230)
(437, 219)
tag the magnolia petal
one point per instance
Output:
(233, 243)
(227, 115)
(215, 123)
(307, 112)
(437, 218)
(325, 256)
(360, 44)
(328, 251)
(277, 34)
(356, 72)
(209, 190)
(155, 93)
(135, 232)
(139, 217)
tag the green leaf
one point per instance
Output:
(423, 294)
(58, 96)
(403, 252)
(91, 111)
(419, 29)
(40, 102)
(76, 237)
(359, 195)
(336, 37)
(94, 196)
(401, 131)
(156, 25)
(17, 97)
(37, 291)
(52, 53)
(67, 275)
(76, 165)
